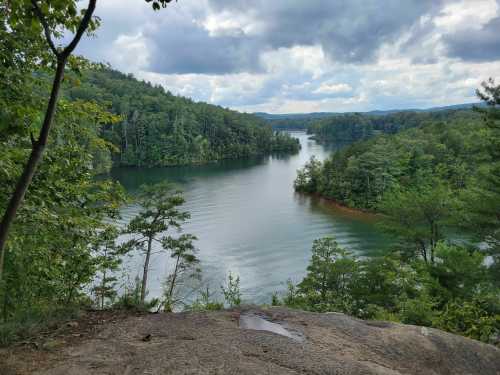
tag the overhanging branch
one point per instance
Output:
(79, 32)
(81, 29)
(45, 26)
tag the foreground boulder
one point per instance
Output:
(227, 342)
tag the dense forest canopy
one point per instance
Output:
(352, 127)
(451, 146)
(160, 129)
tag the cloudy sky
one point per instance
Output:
(284, 56)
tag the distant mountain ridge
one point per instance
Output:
(320, 115)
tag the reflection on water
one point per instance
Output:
(249, 220)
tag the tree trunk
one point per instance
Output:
(39, 146)
(145, 272)
(5, 303)
(103, 285)
(32, 164)
(172, 284)
(423, 250)
(124, 132)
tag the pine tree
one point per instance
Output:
(160, 212)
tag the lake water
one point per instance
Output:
(249, 221)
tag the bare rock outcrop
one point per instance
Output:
(269, 341)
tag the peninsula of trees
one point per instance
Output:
(157, 128)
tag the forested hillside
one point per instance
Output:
(160, 129)
(453, 150)
(349, 127)
(352, 127)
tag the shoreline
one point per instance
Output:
(344, 208)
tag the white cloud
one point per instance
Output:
(232, 24)
(333, 88)
(466, 14)
(296, 60)
(129, 52)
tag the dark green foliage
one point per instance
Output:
(23, 50)
(329, 279)
(160, 129)
(158, 4)
(469, 318)
(419, 216)
(455, 293)
(460, 272)
(454, 151)
(310, 178)
(380, 285)
(482, 204)
(291, 124)
(352, 127)
(52, 212)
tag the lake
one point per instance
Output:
(249, 221)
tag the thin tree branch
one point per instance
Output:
(46, 27)
(79, 33)
(81, 28)
(33, 140)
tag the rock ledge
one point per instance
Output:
(213, 343)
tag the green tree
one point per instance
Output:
(459, 272)
(447, 146)
(50, 258)
(49, 18)
(383, 283)
(160, 212)
(309, 177)
(482, 202)
(205, 302)
(331, 275)
(185, 267)
(407, 291)
(468, 318)
(38, 22)
(418, 216)
(108, 258)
